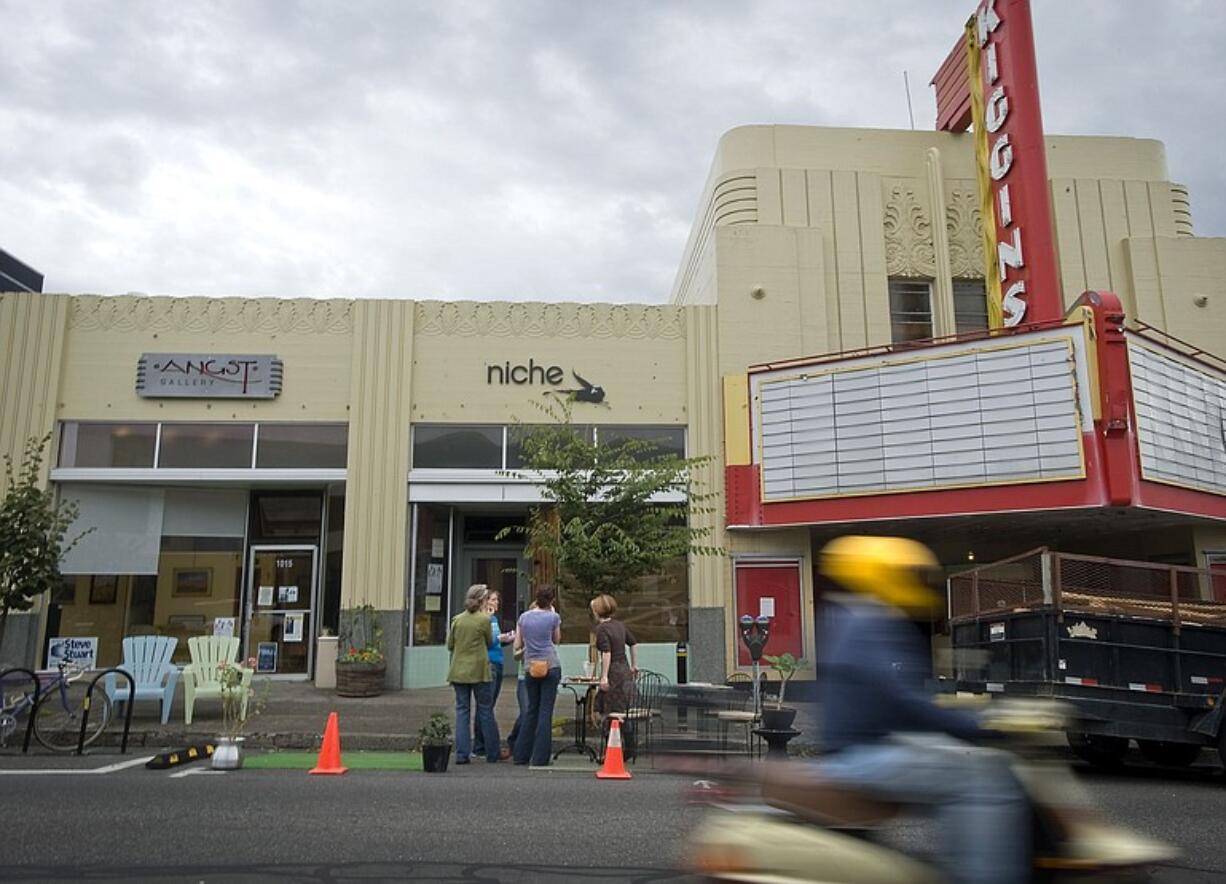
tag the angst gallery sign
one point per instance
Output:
(991, 80)
(208, 376)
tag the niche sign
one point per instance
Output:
(531, 374)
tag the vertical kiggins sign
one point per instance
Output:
(1003, 87)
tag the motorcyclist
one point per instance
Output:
(872, 666)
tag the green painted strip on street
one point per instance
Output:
(351, 760)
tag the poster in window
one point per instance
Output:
(103, 589)
(193, 581)
(266, 657)
(434, 578)
(293, 628)
(75, 650)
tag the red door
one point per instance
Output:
(771, 587)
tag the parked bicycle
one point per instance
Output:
(61, 705)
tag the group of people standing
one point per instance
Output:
(477, 663)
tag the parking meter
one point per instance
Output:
(754, 632)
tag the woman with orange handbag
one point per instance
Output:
(538, 633)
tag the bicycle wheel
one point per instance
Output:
(57, 721)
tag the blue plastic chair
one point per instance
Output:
(147, 658)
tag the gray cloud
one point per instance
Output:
(536, 149)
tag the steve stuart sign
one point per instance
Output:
(208, 376)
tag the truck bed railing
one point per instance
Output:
(1041, 578)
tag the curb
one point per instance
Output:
(290, 740)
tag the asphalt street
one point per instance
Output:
(481, 823)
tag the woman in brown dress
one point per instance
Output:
(618, 667)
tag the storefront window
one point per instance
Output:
(431, 574)
(657, 441)
(456, 447)
(655, 610)
(516, 434)
(107, 445)
(198, 580)
(206, 446)
(334, 545)
(302, 446)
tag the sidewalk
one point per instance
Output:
(295, 714)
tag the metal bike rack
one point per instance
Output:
(127, 723)
(25, 748)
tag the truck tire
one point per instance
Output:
(1104, 752)
(1169, 754)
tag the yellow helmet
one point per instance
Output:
(893, 569)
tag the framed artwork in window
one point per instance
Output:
(103, 589)
(193, 581)
(65, 593)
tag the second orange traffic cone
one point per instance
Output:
(614, 767)
(330, 751)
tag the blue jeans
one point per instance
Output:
(485, 720)
(984, 812)
(521, 697)
(495, 690)
(534, 745)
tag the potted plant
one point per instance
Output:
(361, 665)
(434, 739)
(239, 704)
(780, 718)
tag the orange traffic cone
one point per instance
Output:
(614, 765)
(330, 751)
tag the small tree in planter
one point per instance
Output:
(361, 664)
(781, 717)
(434, 739)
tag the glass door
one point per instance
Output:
(281, 609)
(505, 574)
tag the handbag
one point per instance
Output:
(538, 668)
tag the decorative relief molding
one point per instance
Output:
(303, 316)
(908, 233)
(539, 320)
(965, 226)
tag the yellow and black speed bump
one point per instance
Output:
(180, 756)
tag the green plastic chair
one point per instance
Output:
(200, 676)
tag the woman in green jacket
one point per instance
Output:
(469, 642)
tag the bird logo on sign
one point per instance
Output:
(585, 392)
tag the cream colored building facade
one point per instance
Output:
(800, 236)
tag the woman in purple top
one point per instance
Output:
(538, 632)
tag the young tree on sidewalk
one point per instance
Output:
(618, 508)
(32, 529)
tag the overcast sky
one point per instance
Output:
(516, 149)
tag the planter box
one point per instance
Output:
(360, 679)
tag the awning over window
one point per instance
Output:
(127, 530)
(204, 512)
